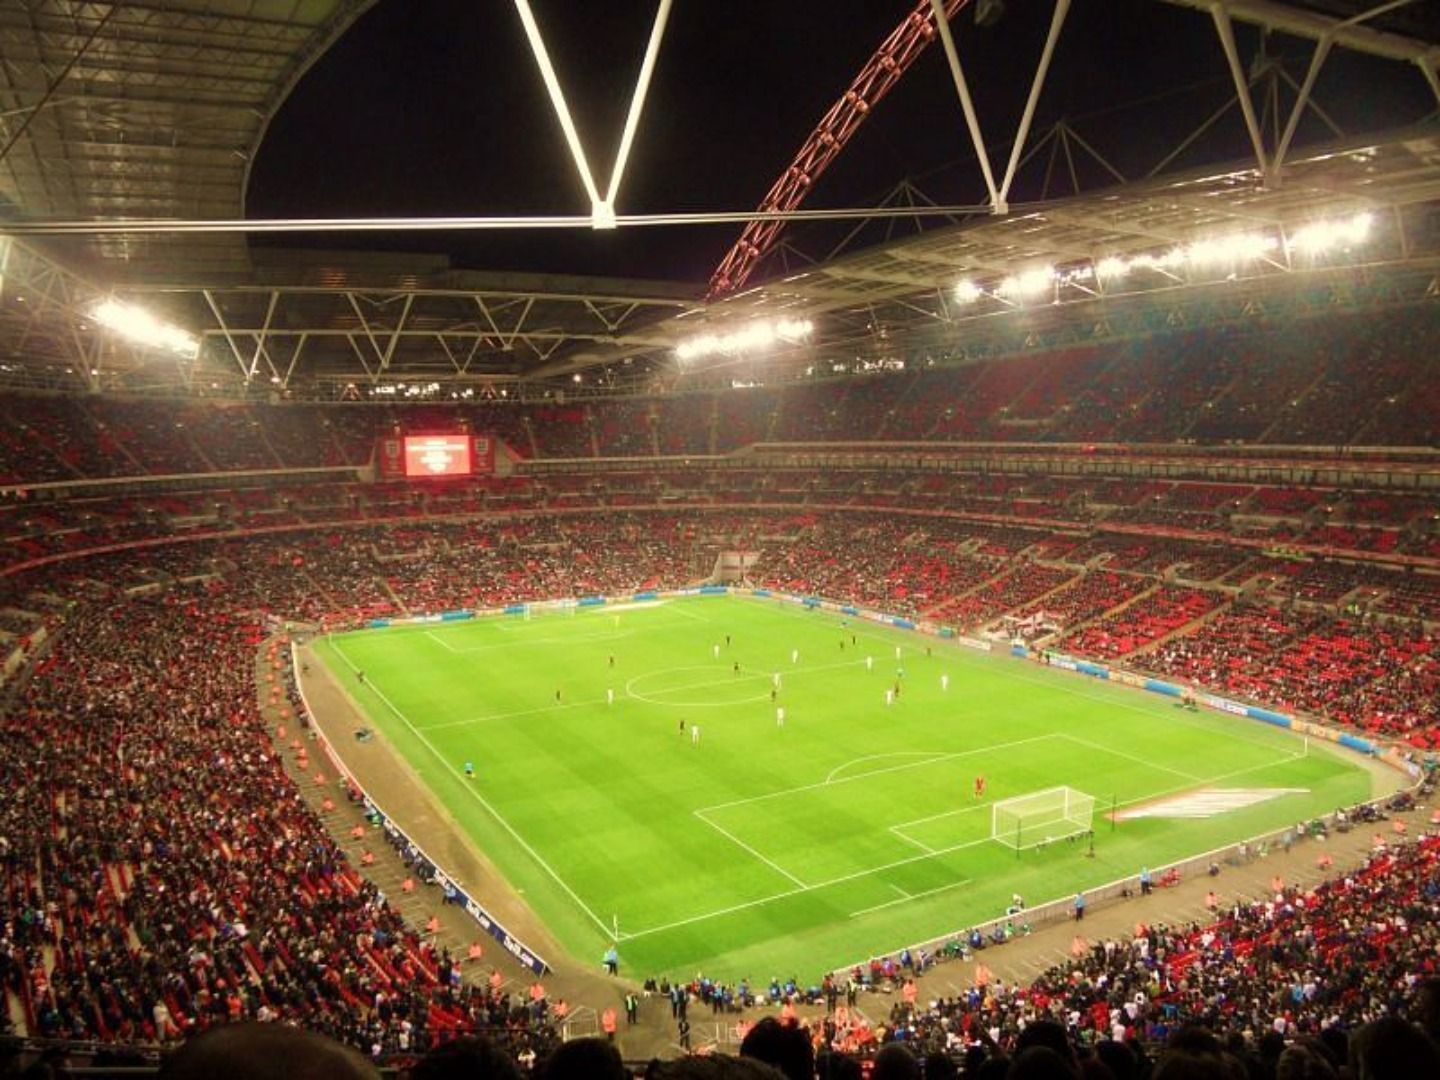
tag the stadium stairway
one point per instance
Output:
(400, 604)
(1180, 631)
(1108, 613)
(937, 611)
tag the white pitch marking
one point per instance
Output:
(604, 927)
(1129, 757)
(906, 897)
(901, 835)
(877, 772)
(730, 910)
(741, 843)
(889, 754)
(525, 643)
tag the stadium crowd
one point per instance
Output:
(160, 875)
(1341, 381)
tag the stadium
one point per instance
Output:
(539, 575)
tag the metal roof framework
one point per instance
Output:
(889, 301)
(292, 328)
(154, 110)
(148, 108)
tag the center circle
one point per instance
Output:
(699, 686)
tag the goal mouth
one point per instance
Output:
(1042, 817)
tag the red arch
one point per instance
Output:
(883, 70)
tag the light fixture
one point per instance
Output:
(1112, 267)
(753, 337)
(1322, 236)
(967, 292)
(1028, 283)
(143, 328)
(1228, 250)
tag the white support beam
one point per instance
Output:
(1431, 70)
(260, 339)
(557, 99)
(395, 335)
(602, 209)
(225, 331)
(1226, 32)
(967, 106)
(1057, 22)
(637, 104)
(1299, 22)
(1302, 98)
(294, 360)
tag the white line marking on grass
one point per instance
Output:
(525, 643)
(879, 772)
(830, 777)
(729, 680)
(899, 835)
(943, 814)
(1130, 757)
(895, 635)
(908, 897)
(518, 712)
(470, 787)
(441, 641)
(681, 609)
(742, 844)
(733, 908)
(1116, 700)
(842, 879)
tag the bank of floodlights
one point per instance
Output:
(143, 328)
(1326, 236)
(752, 338)
(1228, 253)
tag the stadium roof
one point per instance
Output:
(154, 111)
(148, 110)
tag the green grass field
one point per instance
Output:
(765, 850)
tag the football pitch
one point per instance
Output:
(759, 848)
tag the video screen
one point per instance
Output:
(437, 455)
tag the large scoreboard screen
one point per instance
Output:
(437, 455)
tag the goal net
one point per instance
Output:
(1041, 817)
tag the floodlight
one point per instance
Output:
(1029, 283)
(753, 337)
(1112, 267)
(967, 292)
(1222, 250)
(1322, 236)
(143, 328)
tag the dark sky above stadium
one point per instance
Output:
(429, 107)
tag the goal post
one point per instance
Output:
(1036, 819)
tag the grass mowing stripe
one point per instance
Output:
(828, 782)
(919, 858)
(478, 797)
(735, 839)
(590, 807)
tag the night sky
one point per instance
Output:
(436, 107)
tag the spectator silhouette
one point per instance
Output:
(787, 1048)
(254, 1051)
(585, 1059)
(470, 1058)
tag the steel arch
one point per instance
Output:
(881, 72)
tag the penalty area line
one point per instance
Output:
(905, 897)
(742, 844)
(936, 852)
